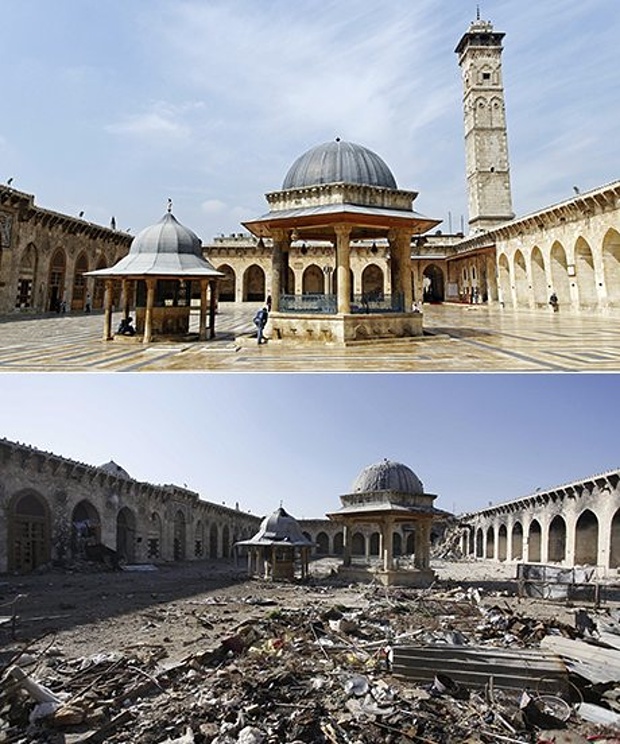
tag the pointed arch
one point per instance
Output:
(521, 281)
(539, 278)
(313, 280)
(126, 535)
(586, 539)
(178, 545)
(611, 266)
(56, 279)
(585, 275)
(29, 532)
(375, 544)
(614, 547)
(560, 283)
(322, 543)
(27, 276)
(85, 527)
(227, 285)
(433, 283)
(254, 284)
(489, 548)
(226, 541)
(502, 543)
(503, 270)
(214, 546)
(358, 544)
(517, 542)
(153, 547)
(78, 296)
(373, 281)
(535, 542)
(339, 543)
(557, 540)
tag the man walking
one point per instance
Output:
(260, 321)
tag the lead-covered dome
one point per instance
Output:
(167, 236)
(388, 476)
(339, 162)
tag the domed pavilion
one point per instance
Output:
(387, 494)
(276, 548)
(163, 271)
(345, 194)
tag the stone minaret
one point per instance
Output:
(486, 140)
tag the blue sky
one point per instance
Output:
(112, 107)
(302, 439)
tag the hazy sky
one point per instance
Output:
(303, 439)
(112, 107)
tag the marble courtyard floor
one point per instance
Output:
(463, 339)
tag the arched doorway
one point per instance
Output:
(178, 545)
(373, 282)
(585, 275)
(410, 543)
(78, 299)
(56, 281)
(586, 539)
(213, 542)
(517, 542)
(227, 285)
(290, 281)
(29, 532)
(322, 543)
(313, 281)
(433, 283)
(535, 542)
(26, 277)
(86, 528)
(560, 282)
(557, 540)
(611, 267)
(154, 538)
(126, 535)
(254, 284)
(521, 283)
(502, 543)
(539, 279)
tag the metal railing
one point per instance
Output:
(371, 302)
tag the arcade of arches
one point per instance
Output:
(45, 256)
(572, 525)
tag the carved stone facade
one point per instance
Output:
(55, 510)
(44, 256)
(575, 524)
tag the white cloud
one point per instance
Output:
(213, 206)
(161, 120)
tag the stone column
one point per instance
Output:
(343, 268)
(400, 267)
(388, 545)
(125, 298)
(107, 312)
(346, 545)
(213, 292)
(148, 316)
(280, 245)
(202, 318)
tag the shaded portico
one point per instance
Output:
(158, 276)
(344, 194)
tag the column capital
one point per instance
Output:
(342, 231)
(279, 235)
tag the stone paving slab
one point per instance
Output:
(464, 339)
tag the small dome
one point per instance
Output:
(339, 162)
(388, 476)
(167, 236)
(113, 469)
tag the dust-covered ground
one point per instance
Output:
(190, 605)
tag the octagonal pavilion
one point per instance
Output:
(345, 194)
(158, 275)
(387, 494)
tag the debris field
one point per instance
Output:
(235, 661)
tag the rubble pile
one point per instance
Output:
(321, 672)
